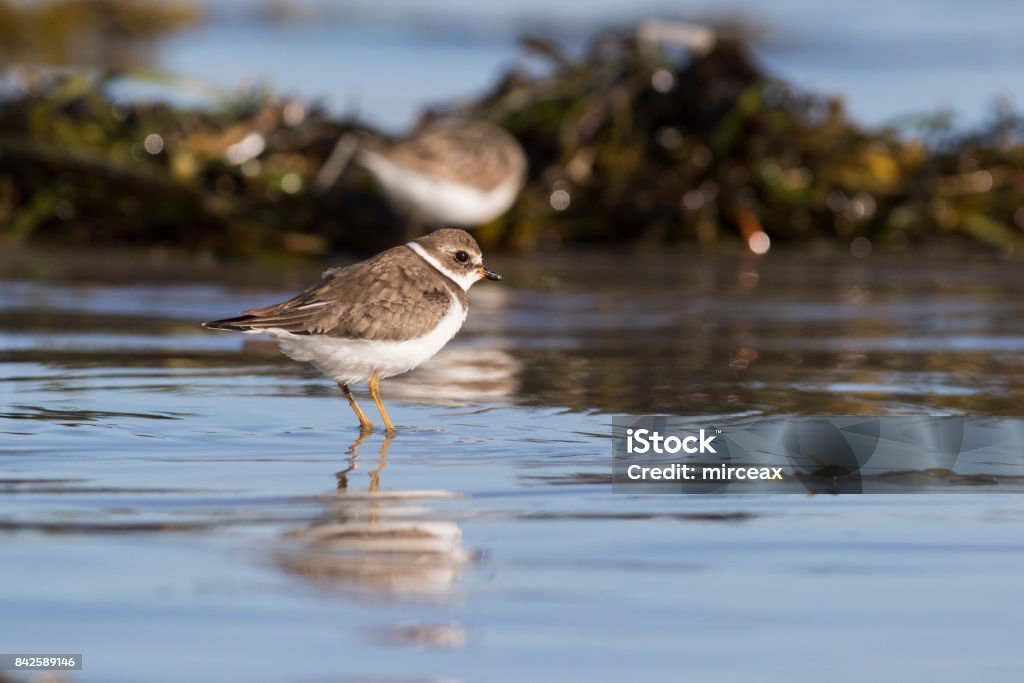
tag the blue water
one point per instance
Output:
(178, 504)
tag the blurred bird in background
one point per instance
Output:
(461, 173)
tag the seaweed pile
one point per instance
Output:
(634, 141)
(629, 144)
(79, 168)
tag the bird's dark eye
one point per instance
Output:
(461, 256)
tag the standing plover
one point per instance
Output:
(378, 318)
(448, 173)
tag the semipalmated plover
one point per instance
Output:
(463, 173)
(378, 318)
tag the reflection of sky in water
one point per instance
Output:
(388, 60)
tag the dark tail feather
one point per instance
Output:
(238, 324)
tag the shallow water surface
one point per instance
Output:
(178, 504)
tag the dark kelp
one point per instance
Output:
(631, 142)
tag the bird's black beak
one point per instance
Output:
(489, 274)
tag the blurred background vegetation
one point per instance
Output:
(646, 133)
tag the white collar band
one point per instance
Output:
(464, 280)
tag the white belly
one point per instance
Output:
(352, 361)
(439, 201)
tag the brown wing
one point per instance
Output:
(394, 296)
(474, 153)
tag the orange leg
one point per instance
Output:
(364, 423)
(375, 393)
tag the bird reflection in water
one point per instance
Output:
(377, 544)
(353, 461)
